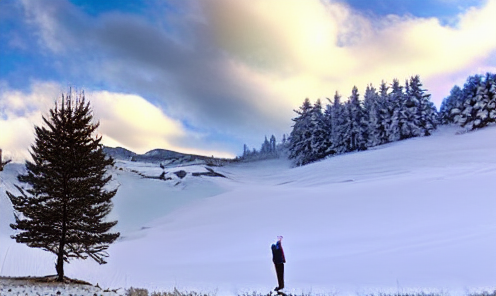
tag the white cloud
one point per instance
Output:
(19, 113)
(320, 47)
(126, 120)
(133, 122)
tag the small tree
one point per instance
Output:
(63, 211)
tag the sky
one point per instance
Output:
(208, 76)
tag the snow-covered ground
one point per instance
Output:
(23, 287)
(414, 215)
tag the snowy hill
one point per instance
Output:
(413, 215)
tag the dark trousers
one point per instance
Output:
(280, 274)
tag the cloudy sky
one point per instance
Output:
(208, 76)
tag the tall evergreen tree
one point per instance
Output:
(485, 112)
(354, 126)
(387, 116)
(273, 144)
(64, 209)
(401, 117)
(337, 120)
(449, 104)
(320, 141)
(308, 140)
(468, 111)
(266, 147)
(299, 139)
(491, 106)
(426, 111)
(372, 107)
(409, 115)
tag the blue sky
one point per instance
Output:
(209, 76)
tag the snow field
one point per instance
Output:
(417, 215)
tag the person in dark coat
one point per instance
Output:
(279, 260)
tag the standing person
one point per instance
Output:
(279, 260)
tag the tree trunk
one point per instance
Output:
(60, 256)
(60, 265)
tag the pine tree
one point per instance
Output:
(403, 112)
(273, 144)
(354, 126)
(64, 208)
(337, 120)
(371, 104)
(426, 111)
(266, 147)
(319, 134)
(409, 115)
(387, 116)
(450, 107)
(491, 106)
(308, 141)
(299, 144)
(467, 113)
(327, 122)
(485, 112)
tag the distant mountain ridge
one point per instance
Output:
(164, 156)
(119, 153)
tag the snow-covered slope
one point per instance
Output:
(417, 214)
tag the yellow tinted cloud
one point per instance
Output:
(19, 113)
(133, 122)
(125, 120)
(313, 48)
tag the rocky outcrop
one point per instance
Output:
(210, 173)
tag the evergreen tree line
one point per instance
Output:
(269, 149)
(472, 107)
(389, 114)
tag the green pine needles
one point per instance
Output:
(63, 208)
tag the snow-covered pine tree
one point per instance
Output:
(354, 126)
(273, 145)
(485, 112)
(466, 115)
(337, 131)
(386, 115)
(266, 147)
(328, 124)
(491, 106)
(426, 111)
(299, 139)
(320, 133)
(371, 104)
(451, 105)
(64, 209)
(409, 114)
(308, 140)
